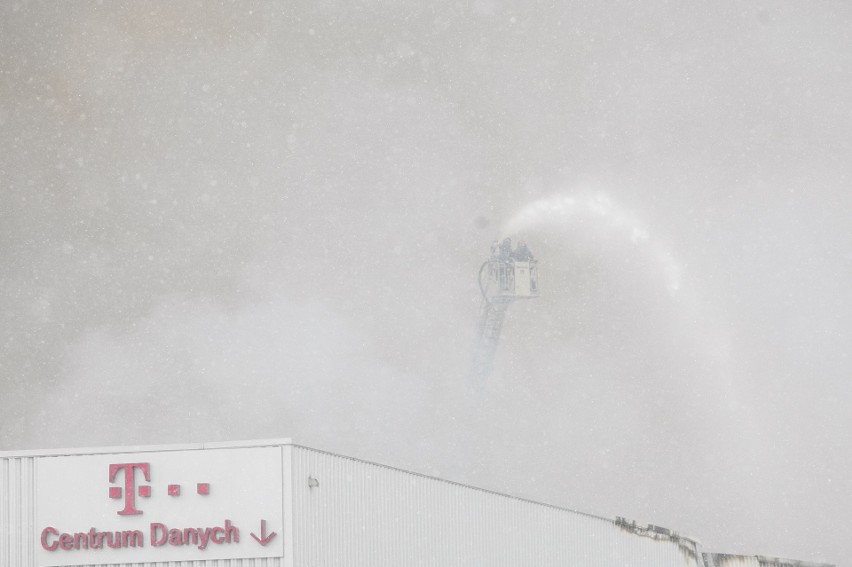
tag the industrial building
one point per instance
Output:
(272, 503)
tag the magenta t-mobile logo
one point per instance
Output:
(129, 485)
(130, 489)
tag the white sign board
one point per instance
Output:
(159, 506)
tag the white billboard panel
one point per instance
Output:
(159, 506)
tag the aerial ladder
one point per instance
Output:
(502, 281)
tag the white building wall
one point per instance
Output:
(339, 511)
(349, 512)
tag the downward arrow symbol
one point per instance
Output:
(263, 539)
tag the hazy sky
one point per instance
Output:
(234, 221)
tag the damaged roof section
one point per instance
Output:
(726, 560)
(688, 546)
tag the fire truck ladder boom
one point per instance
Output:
(501, 283)
(488, 335)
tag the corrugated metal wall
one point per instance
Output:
(17, 512)
(369, 515)
(347, 512)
